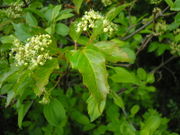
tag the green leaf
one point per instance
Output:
(22, 110)
(134, 110)
(170, 3)
(41, 75)
(7, 39)
(30, 19)
(91, 64)
(177, 18)
(117, 100)
(114, 53)
(176, 6)
(62, 29)
(152, 123)
(123, 76)
(10, 96)
(141, 73)
(80, 117)
(73, 31)
(150, 78)
(77, 4)
(64, 14)
(22, 31)
(6, 75)
(54, 113)
(95, 108)
(55, 12)
(115, 11)
(97, 30)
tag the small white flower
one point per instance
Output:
(89, 19)
(34, 52)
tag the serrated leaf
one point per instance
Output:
(95, 108)
(91, 64)
(114, 53)
(41, 75)
(54, 113)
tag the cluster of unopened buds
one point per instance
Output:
(88, 22)
(106, 2)
(155, 1)
(175, 49)
(34, 52)
(14, 10)
(160, 27)
(177, 31)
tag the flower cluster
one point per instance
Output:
(175, 49)
(89, 19)
(14, 10)
(155, 1)
(106, 2)
(177, 31)
(34, 52)
(160, 27)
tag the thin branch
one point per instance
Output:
(25, 3)
(144, 43)
(163, 63)
(145, 25)
(2, 7)
(1, 96)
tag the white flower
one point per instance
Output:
(89, 19)
(34, 52)
(106, 2)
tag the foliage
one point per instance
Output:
(71, 67)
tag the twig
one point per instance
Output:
(163, 63)
(144, 43)
(1, 96)
(25, 3)
(145, 25)
(1, 7)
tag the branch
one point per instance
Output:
(145, 43)
(145, 25)
(163, 63)
(1, 96)
(25, 3)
